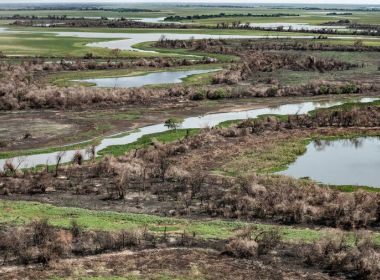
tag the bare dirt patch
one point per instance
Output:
(150, 264)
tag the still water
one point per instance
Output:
(340, 162)
(168, 77)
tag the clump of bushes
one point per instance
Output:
(252, 243)
(338, 89)
(336, 254)
(219, 93)
(200, 94)
(212, 94)
(40, 242)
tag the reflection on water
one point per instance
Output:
(168, 77)
(209, 120)
(340, 162)
(321, 145)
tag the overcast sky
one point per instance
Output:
(359, 2)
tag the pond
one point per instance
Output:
(340, 162)
(154, 78)
(203, 121)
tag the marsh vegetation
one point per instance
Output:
(181, 181)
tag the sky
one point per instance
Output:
(361, 3)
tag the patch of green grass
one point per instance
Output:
(354, 188)
(277, 155)
(50, 45)
(146, 140)
(270, 158)
(22, 212)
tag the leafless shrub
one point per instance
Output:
(91, 152)
(78, 158)
(335, 253)
(242, 248)
(59, 157)
(267, 240)
(75, 229)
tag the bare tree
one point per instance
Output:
(58, 158)
(91, 152)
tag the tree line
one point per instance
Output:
(224, 15)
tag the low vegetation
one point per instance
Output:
(203, 203)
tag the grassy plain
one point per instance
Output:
(22, 212)
(43, 42)
(305, 16)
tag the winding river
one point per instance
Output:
(208, 120)
(128, 40)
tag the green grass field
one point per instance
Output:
(38, 44)
(21, 212)
(35, 42)
(164, 10)
(304, 18)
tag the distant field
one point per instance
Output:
(311, 17)
(304, 17)
(48, 44)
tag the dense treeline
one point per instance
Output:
(369, 9)
(102, 22)
(77, 7)
(224, 15)
(278, 44)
